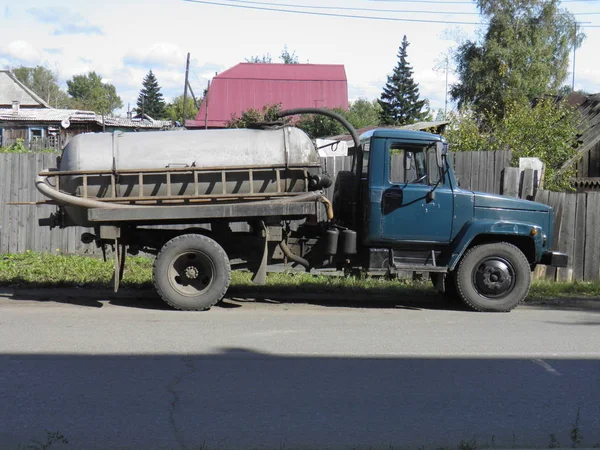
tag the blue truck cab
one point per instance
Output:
(411, 215)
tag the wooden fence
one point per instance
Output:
(577, 216)
(480, 171)
(19, 229)
(576, 226)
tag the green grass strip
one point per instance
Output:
(33, 270)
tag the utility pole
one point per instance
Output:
(575, 50)
(574, 53)
(446, 93)
(185, 88)
(206, 101)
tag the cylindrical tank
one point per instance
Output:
(286, 148)
(349, 242)
(289, 147)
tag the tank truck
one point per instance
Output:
(182, 195)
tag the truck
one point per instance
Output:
(206, 202)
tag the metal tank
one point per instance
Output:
(233, 150)
(165, 167)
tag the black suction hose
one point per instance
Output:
(357, 161)
(325, 112)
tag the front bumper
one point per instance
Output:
(554, 259)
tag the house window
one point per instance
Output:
(36, 133)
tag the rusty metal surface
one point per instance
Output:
(173, 214)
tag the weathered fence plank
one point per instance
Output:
(490, 173)
(566, 236)
(556, 200)
(592, 250)
(475, 159)
(578, 255)
(510, 183)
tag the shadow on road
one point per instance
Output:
(239, 296)
(244, 399)
(317, 295)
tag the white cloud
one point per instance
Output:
(21, 52)
(158, 55)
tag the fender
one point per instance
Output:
(474, 228)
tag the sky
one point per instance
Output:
(123, 39)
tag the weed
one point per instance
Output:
(576, 437)
(553, 441)
(468, 445)
(52, 437)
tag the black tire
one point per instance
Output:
(191, 272)
(493, 277)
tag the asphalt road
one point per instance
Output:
(123, 372)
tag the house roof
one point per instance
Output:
(589, 107)
(51, 115)
(248, 85)
(11, 89)
(290, 72)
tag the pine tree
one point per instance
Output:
(150, 101)
(399, 100)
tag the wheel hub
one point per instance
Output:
(494, 277)
(191, 272)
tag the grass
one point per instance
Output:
(29, 270)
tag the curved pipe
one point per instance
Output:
(41, 183)
(288, 253)
(328, 207)
(325, 112)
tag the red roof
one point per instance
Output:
(250, 85)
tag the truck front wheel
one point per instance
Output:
(192, 272)
(493, 277)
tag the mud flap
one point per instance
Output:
(260, 276)
(120, 251)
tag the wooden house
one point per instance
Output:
(28, 120)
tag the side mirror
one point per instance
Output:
(440, 150)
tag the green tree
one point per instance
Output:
(150, 100)
(269, 113)
(524, 53)
(264, 59)
(174, 110)
(363, 113)
(399, 101)
(90, 93)
(547, 130)
(44, 82)
(287, 57)
(318, 126)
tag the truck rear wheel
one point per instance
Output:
(192, 272)
(493, 277)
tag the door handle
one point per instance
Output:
(393, 195)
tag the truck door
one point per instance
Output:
(408, 213)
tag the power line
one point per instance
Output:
(323, 14)
(345, 8)
(346, 16)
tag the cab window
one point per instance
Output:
(409, 164)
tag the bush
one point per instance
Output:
(547, 130)
(20, 147)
